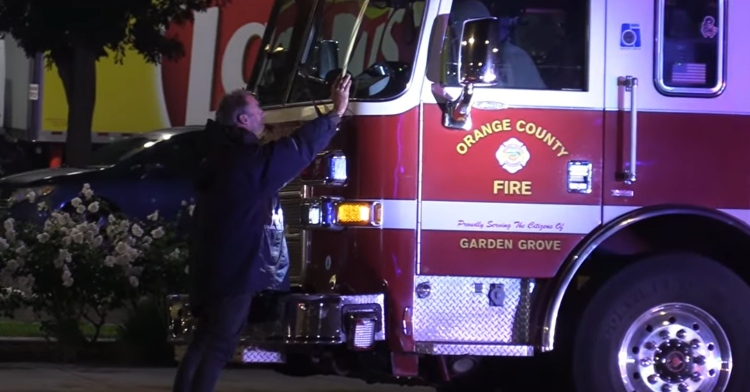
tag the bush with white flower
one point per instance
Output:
(72, 269)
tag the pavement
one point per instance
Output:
(35, 377)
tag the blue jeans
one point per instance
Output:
(219, 325)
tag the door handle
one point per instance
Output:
(631, 85)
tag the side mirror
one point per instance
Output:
(328, 57)
(147, 167)
(478, 58)
(479, 54)
(323, 59)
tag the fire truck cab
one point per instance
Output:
(565, 180)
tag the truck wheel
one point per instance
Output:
(673, 322)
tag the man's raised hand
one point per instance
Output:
(340, 94)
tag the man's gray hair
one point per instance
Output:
(231, 106)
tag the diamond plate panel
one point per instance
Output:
(242, 354)
(259, 355)
(497, 350)
(458, 310)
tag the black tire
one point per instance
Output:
(683, 278)
(487, 377)
(297, 365)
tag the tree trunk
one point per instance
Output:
(77, 70)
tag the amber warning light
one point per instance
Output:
(337, 213)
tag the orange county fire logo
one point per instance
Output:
(512, 155)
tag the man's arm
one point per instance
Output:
(288, 156)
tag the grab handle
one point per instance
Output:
(631, 85)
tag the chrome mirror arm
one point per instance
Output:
(457, 114)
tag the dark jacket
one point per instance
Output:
(237, 241)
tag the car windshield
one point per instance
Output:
(120, 150)
(381, 58)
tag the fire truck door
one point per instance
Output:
(681, 53)
(511, 194)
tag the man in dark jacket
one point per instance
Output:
(237, 241)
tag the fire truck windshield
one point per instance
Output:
(309, 41)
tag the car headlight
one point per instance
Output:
(30, 194)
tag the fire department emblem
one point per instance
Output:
(512, 155)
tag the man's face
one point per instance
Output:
(252, 117)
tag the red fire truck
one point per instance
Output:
(514, 177)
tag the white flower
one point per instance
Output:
(42, 238)
(24, 283)
(42, 206)
(111, 218)
(12, 265)
(81, 209)
(58, 219)
(87, 193)
(190, 209)
(22, 249)
(77, 237)
(97, 242)
(9, 224)
(76, 202)
(65, 256)
(124, 225)
(137, 231)
(123, 259)
(133, 253)
(109, 261)
(94, 207)
(67, 278)
(86, 186)
(10, 235)
(133, 281)
(184, 203)
(187, 269)
(3, 244)
(94, 227)
(175, 255)
(88, 236)
(31, 197)
(48, 226)
(66, 240)
(157, 233)
(58, 263)
(153, 217)
(146, 240)
(121, 247)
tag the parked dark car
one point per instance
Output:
(135, 176)
(17, 155)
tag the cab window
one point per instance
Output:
(382, 57)
(276, 60)
(690, 54)
(544, 43)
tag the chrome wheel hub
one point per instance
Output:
(675, 347)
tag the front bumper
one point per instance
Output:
(280, 322)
